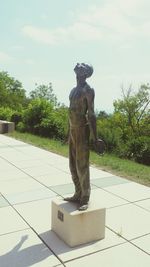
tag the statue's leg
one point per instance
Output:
(73, 169)
(82, 159)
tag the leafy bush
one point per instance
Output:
(140, 148)
(6, 113)
(108, 133)
(21, 127)
(17, 117)
(41, 118)
(137, 149)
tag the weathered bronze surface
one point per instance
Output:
(82, 122)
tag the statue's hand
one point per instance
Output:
(99, 146)
(24, 238)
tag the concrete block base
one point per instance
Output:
(6, 127)
(77, 227)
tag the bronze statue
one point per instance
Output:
(82, 122)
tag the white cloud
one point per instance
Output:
(78, 31)
(114, 20)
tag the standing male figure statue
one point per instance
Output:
(82, 122)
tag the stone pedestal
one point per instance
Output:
(77, 227)
(6, 127)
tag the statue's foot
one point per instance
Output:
(83, 207)
(72, 199)
(83, 203)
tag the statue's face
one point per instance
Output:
(83, 70)
(80, 70)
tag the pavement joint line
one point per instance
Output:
(16, 231)
(148, 198)
(139, 237)
(58, 194)
(130, 202)
(114, 194)
(117, 206)
(57, 167)
(28, 175)
(94, 252)
(28, 144)
(36, 233)
(143, 208)
(30, 201)
(127, 240)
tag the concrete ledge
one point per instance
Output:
(77, 227)
(6, 127)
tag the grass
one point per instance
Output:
(109, 162)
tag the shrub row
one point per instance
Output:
(42, 118)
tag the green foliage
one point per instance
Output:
(43, 91)
(6, 113)
(134, 107)
(12, 94)
(41, 118)
(108, 133)
(127, 131)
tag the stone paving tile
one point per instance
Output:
(28, 163)
(105, 199)
(40, 219)
(65, 189)
(12, 175)
(12, 155)
(54, 178)
(31, 195)
(130, 191)
(3, 202)
(129, 221)
(144, 204)
(66, 253)
(24, 248)
(143, 243)
(109, 181)
(4, 165)
(125, 255)
(59, 162)
(36, 171)
(10, 221)
(102, 199)
(97, 173)
(19, 185)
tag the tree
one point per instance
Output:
(44, 92)
(134, 107)
(12, 94)
(102, 115)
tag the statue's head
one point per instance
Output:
(83, 70)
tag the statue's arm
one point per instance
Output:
(91, 114)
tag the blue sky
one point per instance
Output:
(42, 40)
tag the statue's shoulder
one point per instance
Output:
(71, 92)
(89, 90)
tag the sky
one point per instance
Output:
(42, 40)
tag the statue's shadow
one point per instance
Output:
(25, 257)
(59, 246)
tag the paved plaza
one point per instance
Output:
(31, 177)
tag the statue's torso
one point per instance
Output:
(78, 106)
